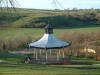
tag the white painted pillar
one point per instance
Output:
(46, 56)
(50, 51)
(63, 54)
(36, 54)
(59, 52)
(58, 55)
(40, 52)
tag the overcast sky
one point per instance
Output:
(47, 4)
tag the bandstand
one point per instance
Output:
(49, 50)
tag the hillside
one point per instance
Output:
(32, 18)
(79, 27)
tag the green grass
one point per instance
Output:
(11, 58)
(35, 32)
(29, 69)
(37, 69)
(10, 32)
(83, 61)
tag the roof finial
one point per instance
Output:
(49, 29)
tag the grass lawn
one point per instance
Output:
(36, 69)
(29, 69)
(7, 57)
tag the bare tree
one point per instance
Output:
(14, 3)
(9, 4)
(76, 39)
(57, 4)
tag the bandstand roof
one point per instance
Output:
(49, 41)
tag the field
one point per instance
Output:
(38, 32)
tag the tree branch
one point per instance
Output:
(9, 4)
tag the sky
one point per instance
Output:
(48, 4)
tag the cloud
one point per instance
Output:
(93, 2)
(69, 5)
(82, 4)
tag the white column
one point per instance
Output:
(63, 54)
(59, 52)
(46, 56)
(36, 54)
(58, 55)
(40, 52)
(50, 51)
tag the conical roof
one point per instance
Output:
(49, 41)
